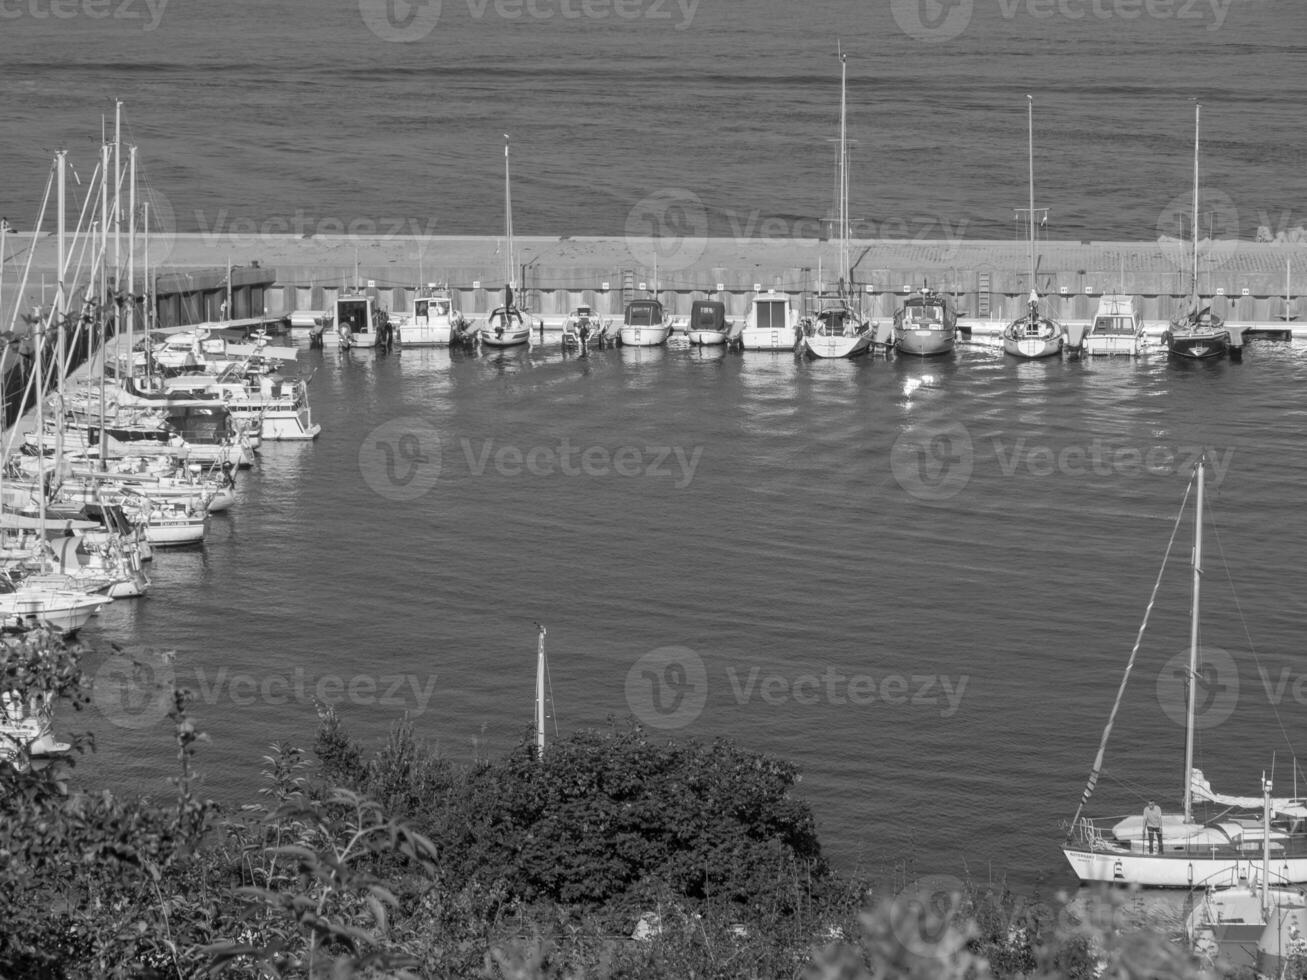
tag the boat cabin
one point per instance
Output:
(431, 306)
(708, 314)
(771, 313)
(1117, 328)
(357, 313)
(644, 313)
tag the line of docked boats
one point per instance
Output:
(125, 454)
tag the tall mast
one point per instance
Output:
(540, 695)
(1193, 294)
(131, 267)
(509, 267)
(844, 179)
(1193, 645)
(117, 187)
(104, 256)
(1030, 160)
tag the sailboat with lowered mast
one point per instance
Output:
(1033, 335)
(507, 326)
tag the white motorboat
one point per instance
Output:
(771, 324)
(54, 604)
(433, 321)
(708, 326)
(645, 324)
(584, 327)
(925, 325)
(1117, 327)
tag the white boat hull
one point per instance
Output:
(644, 336)
(836, 347)
(1033, 348)
(707, 338)
(170, 533)
(1180, 870)
(66, 612)
(769, 338)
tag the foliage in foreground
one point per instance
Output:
(406, 864)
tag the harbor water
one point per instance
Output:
(920, 580)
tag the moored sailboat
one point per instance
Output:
(1194, 851)
(1198, 333)
(1033, 335)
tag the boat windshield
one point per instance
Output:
(644, 315)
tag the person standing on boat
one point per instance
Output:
(1153, 825)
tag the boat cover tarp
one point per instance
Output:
(1202, 790)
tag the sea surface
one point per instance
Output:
(277, 115)
(918, 580)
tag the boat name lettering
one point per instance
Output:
(572, 460)
(835, 687)
(1100, 459)
(587, 9)
(1122, 9)
(94, 9)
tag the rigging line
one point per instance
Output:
(1134, 653)
(1243, 622)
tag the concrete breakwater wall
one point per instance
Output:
(284, 274)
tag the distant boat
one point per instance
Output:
(645, 324)
(507, 326)
(50, 602)
(432, 323)
(771, 324)
(583, 327)
(925, 325)
(1117, 327)
(359, 321)
(838, 329)
(708, 326)
(1033, 335)
(1198, 333)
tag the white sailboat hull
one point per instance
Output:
(1181, 870)
(823, 346)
